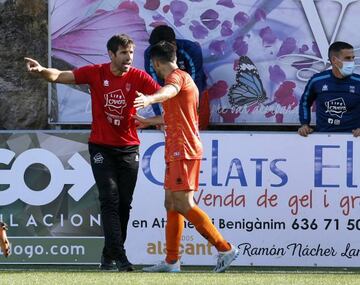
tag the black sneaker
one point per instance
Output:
(124, 265)
(106, 263)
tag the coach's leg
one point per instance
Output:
(127, 171)
(103, 167)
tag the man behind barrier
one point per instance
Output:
(336, 93)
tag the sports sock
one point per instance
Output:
(204, 226)
(173, 232)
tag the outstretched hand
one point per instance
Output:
(32, 65)
(141, 101)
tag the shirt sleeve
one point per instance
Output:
(84, 74)
(306, 101)
(149, 86)
(175, 79)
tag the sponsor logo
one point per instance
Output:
(325, 88)
(336, 107)
(334, 121)
(115, 101)
(106, 83)
(80, 176)
(98, 158)
(352, 89)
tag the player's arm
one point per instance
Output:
(163, 94)
(306, 101)
(143, 123)
(49, 74)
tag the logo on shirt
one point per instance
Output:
(334, 121)
(98, 158)
(325, 88)
(352, 89)
(106, 83)
(336, 107)
(115, 101)
(127, 87)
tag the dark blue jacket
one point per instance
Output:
(189, 59)
(337, 102)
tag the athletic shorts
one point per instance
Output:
(182, 175)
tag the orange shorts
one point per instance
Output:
(182, 175)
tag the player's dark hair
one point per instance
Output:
(336, 47)
(116, 41)
(163, 51)
(161, 33)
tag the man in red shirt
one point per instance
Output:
(113, 142)
(183, 153)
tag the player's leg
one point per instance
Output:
(173, 232)
(185, 205)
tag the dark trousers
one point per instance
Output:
(115, 170)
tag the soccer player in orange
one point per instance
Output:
(183, 153)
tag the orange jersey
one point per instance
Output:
(182, 140)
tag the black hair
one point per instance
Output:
(163, 51)
(162, 33)
(119, 40)
(336, 47)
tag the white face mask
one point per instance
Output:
(347, 68)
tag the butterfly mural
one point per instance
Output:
(248, 88)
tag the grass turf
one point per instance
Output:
(190, 275)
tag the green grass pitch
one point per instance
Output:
(54, 275)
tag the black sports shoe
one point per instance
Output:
(123, 265)
(106, 263)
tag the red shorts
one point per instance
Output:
(182, 175)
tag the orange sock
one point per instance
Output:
(204, 226)
(173, 232)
